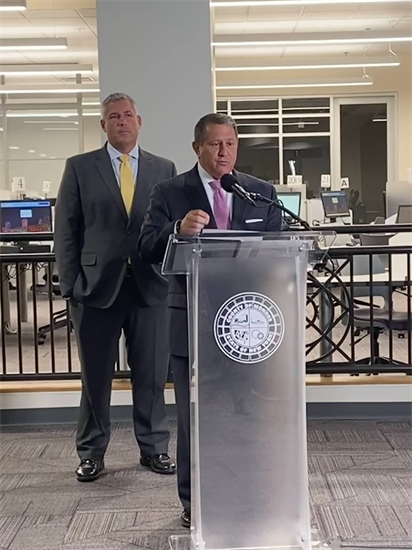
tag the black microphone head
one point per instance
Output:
(227, 182)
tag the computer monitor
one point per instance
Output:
(404, 213)
(291, 201)
(335, 204)
(22, 216)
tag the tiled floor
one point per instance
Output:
(360, 490)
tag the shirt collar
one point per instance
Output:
(204, 176)
(115, 154)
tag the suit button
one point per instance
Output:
(129, 233)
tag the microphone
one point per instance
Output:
(230, 185)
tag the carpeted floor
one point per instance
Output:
(360, 488)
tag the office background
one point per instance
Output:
(353, 130)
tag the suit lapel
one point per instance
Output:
(105, 168)
(239, 206)
(197, 195)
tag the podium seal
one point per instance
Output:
(249, 327)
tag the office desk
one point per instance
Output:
(21, 275)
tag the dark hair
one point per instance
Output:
(207, 120)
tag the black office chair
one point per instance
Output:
(60, 318)
(381, 318)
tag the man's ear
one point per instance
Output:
(103, 125)
(196, 148)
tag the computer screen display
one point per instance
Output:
(335, 204)
(404, 213)
(25, 216)
(291, 201)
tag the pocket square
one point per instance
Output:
(254, 220)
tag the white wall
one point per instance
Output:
(60, 144)
(159, 52)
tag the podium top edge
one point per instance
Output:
(212, 235)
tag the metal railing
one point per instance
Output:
(38, 343)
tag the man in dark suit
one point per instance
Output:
(186, 204)
(100, 208)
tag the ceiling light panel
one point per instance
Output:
(315, 63)
(46, 69)
(23, 44)
(291, 3)
(326, 83)
(300, 39)
(13, 5)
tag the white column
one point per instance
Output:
(159, 52)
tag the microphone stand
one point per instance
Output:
(278, 204)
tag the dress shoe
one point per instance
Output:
(89, 469)
(160, 464)
(185, 518)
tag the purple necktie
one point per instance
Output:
(220, 206)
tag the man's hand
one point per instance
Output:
(193, 223)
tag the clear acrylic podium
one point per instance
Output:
(246, 310)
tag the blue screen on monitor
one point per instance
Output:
(291, 201)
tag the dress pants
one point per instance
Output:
(180, 370)
(98, 332)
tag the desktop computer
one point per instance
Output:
(292, 201)
(25, 216)
(404, 213)
(335, 205)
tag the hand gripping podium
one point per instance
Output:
(246, 315)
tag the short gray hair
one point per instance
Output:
(117, 96)
(212, 118)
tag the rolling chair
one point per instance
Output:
(381, 318)
(60, 318)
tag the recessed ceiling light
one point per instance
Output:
(254, 3)
(14, 147)
(32, 151)
(50, 121)
(62, 68)
(43, 155)
(48, 91)
(60, 129)
(363, 81)
(327, 63)
(307, 38)
(33, 44)
(13, 5)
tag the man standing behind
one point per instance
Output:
(186, 204)
(100, 208)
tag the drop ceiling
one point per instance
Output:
(76, 21)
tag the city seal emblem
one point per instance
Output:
(249, 327)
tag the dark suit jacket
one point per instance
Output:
(170, 201)
(94, 236)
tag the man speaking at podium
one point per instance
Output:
(187, 204)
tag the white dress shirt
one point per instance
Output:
(206, 179)
(115, 155)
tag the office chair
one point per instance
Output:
(60, 318)
(381, 320)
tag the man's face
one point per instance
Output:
(122, 125)
(218, 153)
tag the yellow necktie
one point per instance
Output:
(127, 183)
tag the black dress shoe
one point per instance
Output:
(160, 464)
(185, 518)
(89, 469)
